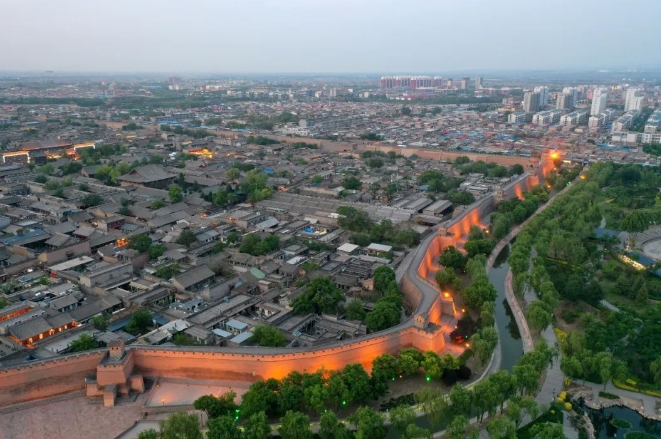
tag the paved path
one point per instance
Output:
(609, 305)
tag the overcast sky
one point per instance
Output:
(333, 36)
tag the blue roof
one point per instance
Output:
(9, 240)
(642, 259)
(159, 319)
(119, 324)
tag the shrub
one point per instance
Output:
(608, 395)
(620, 423)
(638, 435)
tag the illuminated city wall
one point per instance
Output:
(47, 378)
(67, 374)
(241, 366)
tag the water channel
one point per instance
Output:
(510, 340)
(511, 346)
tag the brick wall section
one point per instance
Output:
(47, 378)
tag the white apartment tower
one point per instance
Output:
(599, 99)
(633, 100)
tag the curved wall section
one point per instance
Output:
(67, 374)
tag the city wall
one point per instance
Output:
(244, 366)
(47, 378)
(67, 374)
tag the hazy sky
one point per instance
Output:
(375, 36)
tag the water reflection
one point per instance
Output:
(510, 338)
(601, 419)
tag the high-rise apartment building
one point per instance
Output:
(599, 99)
(464, 83)
(565, 101)
(543, 95)
(634, 100)
(530, 102)
(478, 82)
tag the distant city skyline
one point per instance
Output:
(300, 36)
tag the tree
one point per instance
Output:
(338, 392)
(157, 204)
(187, 238)
(321, 296)
(351, 183)
(517, 169)
(331, 428)
(269, 336)
(432, 365)
(401, 417)
(232, 174)
(385, 364)
(384, 315)
(479, 292)
(295, 425)
(478, 247)
(457, 427)
(100, 322)
(461, 197)
(485, 394)
(317, 179)
(460, 400)
(603, 362)
(501, 428)
(410, 360)
(415, 432)
(355, 310)
(224, 405)
(148, 434)
(156, 251)
(175, 194)
(141, 243)
(357, 382)
(475, 233)
(91, 200)
(316, 397)
(487, 314)
(539, 315)
(655, 370)
(452, 258)
(140, 321)
(571, 366)
(447, 279)
(506, 384)
(383, 276)
(181, 426)
(223, 427)
(83, 343)
(369, 424)
(527, 377)
(257, 427)
(548, 430)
